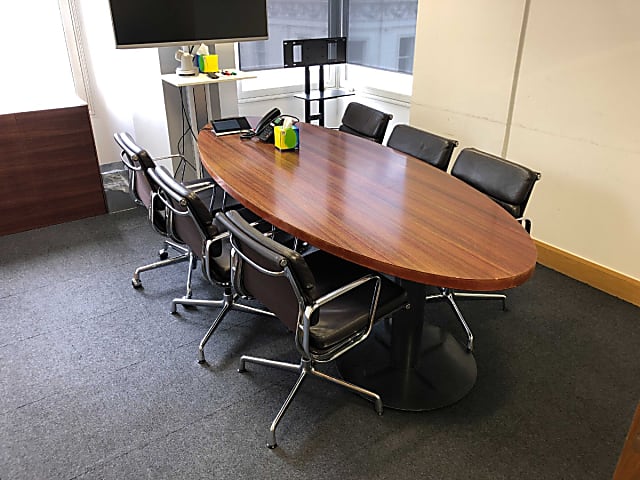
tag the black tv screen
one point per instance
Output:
(157, 23)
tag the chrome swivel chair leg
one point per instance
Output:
(193, 263)
(137, 283)
(482, 296)
(305, 368)
(271, 439)
(163, 253)
(228, 302)
(377, 401)
(193, 302)
(265, 362)
(448, 295)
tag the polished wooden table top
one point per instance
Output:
(375, 206)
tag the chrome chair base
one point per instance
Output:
(450, 296)
(228, 302)
(484, 296)
(165, 260)
(306, 367)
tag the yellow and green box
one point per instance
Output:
(286, 138)
(208, 63)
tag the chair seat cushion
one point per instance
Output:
(348, 314)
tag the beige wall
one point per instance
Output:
(576, 108)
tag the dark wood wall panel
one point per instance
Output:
(49, 169)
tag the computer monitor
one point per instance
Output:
(158, 23)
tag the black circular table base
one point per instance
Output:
(444, 372)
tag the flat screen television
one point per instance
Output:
(159, 23)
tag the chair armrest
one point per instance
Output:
(183, 160)
(168, 205)
(125, 159)
(346, 289)
(222, 236)
(201, 187)
(331, 296)
(175, 155)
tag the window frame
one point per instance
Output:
(395, 85)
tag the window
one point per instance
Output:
(380, 32)
(357, 50)
(383, 32)
(405, 54)
(380, 35)
(287, 21)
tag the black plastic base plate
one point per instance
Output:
(443, 373)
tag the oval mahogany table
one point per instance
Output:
(395, 214)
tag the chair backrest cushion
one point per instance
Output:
(132, 149)
(277, 293)
(139, 162)
(364, 121)
(195, 224)
(431, 148)
(507, 183)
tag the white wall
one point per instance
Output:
(577, 120)
(575, 116)
(463, 69)
(35, 66)
(124, 87)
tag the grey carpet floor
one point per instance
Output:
(99, 381)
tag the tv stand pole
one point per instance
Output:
(308, 116)
(319, 95)
(316, 52)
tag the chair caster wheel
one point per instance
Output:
(137, 284)
(163, 254)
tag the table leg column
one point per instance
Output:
(411, 365)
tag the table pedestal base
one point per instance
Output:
(443, 373)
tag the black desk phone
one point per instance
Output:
(264, 128)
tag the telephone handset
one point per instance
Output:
(264, 128)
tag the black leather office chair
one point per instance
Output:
(508, 184)
(426, 146)
(207, 241)
(143, 191)
(365, 122)
(330, 304)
